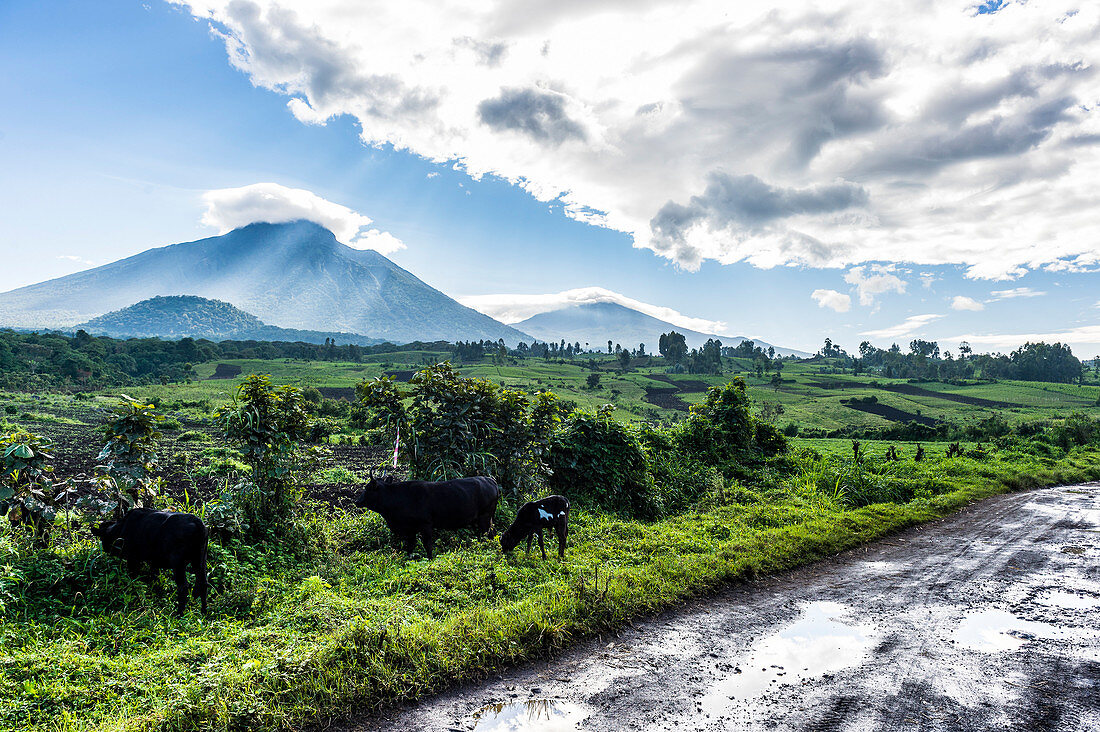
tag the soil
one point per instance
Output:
(986, 620)
(666, 398)
(910, 390)
(347, 393)
(891, 413)
(687, 386)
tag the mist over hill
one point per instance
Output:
(294, 275)
(596, 323)
(182, 316)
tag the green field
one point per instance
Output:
(811, 395)
(332, 614)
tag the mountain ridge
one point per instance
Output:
(596, 322)
(172, 317)
(294, 275)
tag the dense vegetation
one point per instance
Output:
(315, 608)
(43, 361)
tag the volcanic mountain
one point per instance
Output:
(181, 316)
(597, 322)
(293, 275)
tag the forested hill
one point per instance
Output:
(183, 316)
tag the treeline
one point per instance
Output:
(56, 361)
(1050, 362)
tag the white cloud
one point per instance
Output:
(778, 134)
(1084, 340)
(962, 302)
(231, 208)
(431, 175)
(1014, 292)
(874, 279)
(514, 308)
(912, 324)
(838, 301)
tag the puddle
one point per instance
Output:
(814, 645)
(1068, 600)
(998, 630)
(879, 566)
(534, 715)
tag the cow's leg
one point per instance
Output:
(133, 566)
(410, 543)
(484, 523)
(180, 574)
(529, 538)
(429, 540)
(561, 528)
(542, 544)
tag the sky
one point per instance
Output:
(795, 171)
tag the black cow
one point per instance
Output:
(163, 540)
(532, 518)
(412, 507)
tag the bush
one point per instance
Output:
(267, 423)
(722, 432)
(601, 463)
(680, 481)
(194, 436)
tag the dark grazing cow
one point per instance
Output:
(412, 507)
(163, 540)
(532, 518)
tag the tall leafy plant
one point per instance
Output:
(267, 424)
(128, 460)
(28, 494)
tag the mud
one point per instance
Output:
(891, 413)
(666, 398)
(980, 621)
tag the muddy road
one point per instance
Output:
(986, 620)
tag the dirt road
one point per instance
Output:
(987, 620)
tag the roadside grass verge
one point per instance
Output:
(351, 624)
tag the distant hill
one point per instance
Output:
(596, 323)
(179, 316)
(294, 275)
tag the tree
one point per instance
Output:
(624, 358)
(593, 381)
(777, 381)
(675, 347)
(609, 345)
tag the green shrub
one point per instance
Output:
(601, 463)
(194, 436)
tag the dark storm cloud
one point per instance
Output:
(539, 114)
(747, 203)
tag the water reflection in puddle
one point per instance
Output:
(998, 630)
(816, 644)
(1068, 600)
(534, 715)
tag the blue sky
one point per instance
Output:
(121, 116)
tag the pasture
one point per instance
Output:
(330, 615)
(811, 394)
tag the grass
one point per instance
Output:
(805, 398)
(347, 621)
